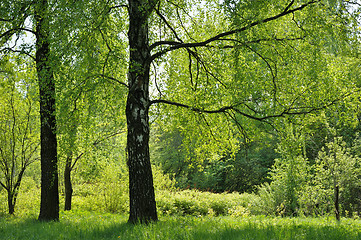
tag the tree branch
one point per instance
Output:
(95, 143)
(168, 25)
(114, 79)
(17, 51)
(3, 185)
(12, 31)
(218, 37)
(290, 110)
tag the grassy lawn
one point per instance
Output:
(86, 225)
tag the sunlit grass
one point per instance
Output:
(87, 225)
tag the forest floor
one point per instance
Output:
(88, 225)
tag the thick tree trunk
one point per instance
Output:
(49, 206)
(67, 184)
(141, 190)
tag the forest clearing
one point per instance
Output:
(180, 119)
(85, 225)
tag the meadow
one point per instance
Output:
(188, 214)
(90, 225)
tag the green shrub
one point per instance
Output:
(110, 194)
(238, 211)
(196, 203)
(266, 203)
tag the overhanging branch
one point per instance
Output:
(178, 45)
(17, 51)
(289, 111)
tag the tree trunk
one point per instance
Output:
(141, 190)
(337, 204)
(11, 204)
(67, 183)
(49, 206)
(13, 194)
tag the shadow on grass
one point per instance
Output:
(73, 226)
(85, 225)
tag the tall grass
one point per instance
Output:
(183, 215)
(86, 225)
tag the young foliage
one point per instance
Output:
(290, 171)
(337, 172)
(19, 129)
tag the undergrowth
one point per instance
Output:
(89, 225)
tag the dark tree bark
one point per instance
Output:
(49, 206)
(14, 190)
(141, 190)
(11, 204)
(337, 204)
(12, 197)
(67, 183)
(68, 186)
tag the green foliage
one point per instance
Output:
(300, 62)
(268, 202)
(109, 191)
(86, 225)
(307, 187)
(240, 171)
(335, 166)
(289, 172)
(19, 129)
(193, 202)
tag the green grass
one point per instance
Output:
(87, 225)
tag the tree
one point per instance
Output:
(49, 206)
(62, 44)
(196, 164)
(88, 92)
(141, 189)
(19, 130)
(14, 16)
(290, 171)
(228, 63)
(245, 67)
(336, 169)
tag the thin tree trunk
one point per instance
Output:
(337, 204)
(13, 194)
(49, 206)
(11, 205)
(67, 183)
(141, 190)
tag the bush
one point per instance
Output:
(196, 203)
(110, 194)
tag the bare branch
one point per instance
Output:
(272, 71)
(12, 31)
(156, 44)
(118, 6)
(7, 20)
(354, 3)
(238, 125)
(155, 80)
